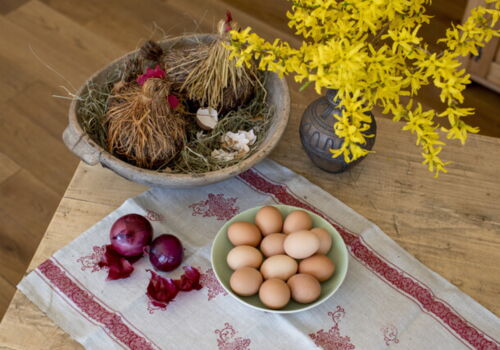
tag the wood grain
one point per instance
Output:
(451, 224)
(21, 215)
(9, 5)
(8, 168)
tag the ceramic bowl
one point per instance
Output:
(338, 253)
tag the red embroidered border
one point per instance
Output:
(81, 286)
(92, 309)
(391, 275)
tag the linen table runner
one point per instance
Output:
(388, 299)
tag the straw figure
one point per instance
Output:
(145, 125)
(209, 76)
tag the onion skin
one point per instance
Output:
(130, 234)
(166, 252)
(161, 290)
(189, 280)
(118, 266)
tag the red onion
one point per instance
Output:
(130, 234)
(166, 252)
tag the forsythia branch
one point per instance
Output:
(371, 52)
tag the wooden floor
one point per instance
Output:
(46, 45)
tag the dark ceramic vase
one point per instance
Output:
(318, 137)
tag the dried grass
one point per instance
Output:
(92, 106)
(196, 157)
(178, 63)
(142, 128)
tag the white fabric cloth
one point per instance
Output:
(388, 299)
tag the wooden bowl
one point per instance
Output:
(91, 153)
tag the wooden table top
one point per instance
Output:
(451, 224)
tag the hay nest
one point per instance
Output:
(141, 126)
(196, 156)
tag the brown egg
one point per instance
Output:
(325, 239)
(305, 288)
(297, 220)
(269, 220)
(245, 281)
(272, 244)
(319, 266)
(279, 266)
(274, 293)
(244, 255)
(301, 244)
(244, 233)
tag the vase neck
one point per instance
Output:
(330, 95)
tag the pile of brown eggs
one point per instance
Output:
(279, 259)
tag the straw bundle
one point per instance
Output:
(208, 76)
(142, 128)
(178, 63)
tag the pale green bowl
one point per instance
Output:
(221, 247)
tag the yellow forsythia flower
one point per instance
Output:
(371, 52)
